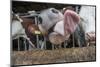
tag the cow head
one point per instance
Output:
(49, 17)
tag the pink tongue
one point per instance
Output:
(71, 19)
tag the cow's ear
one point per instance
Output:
(40, 20)
(54, 11)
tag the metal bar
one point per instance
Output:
(73, 34)
(79, 43)
(37, 37)
(37, 41)
(33, 15)
(65, 44)
(25, 44)
(29, 41)
(29, 48)
(18, 44)
(29, 14)
(44, 43)
(73, 40)
(52, 46)
(36, 22)
(76, 9)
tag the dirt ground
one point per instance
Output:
(54, 56)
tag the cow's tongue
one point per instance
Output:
(71, 19)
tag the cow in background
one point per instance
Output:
(18, 31)
(88, 16)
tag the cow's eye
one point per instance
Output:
(40, 20)
(54, 11)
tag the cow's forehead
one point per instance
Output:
(49, 10)
(49, 13)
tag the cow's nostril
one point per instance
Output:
(54, 11)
